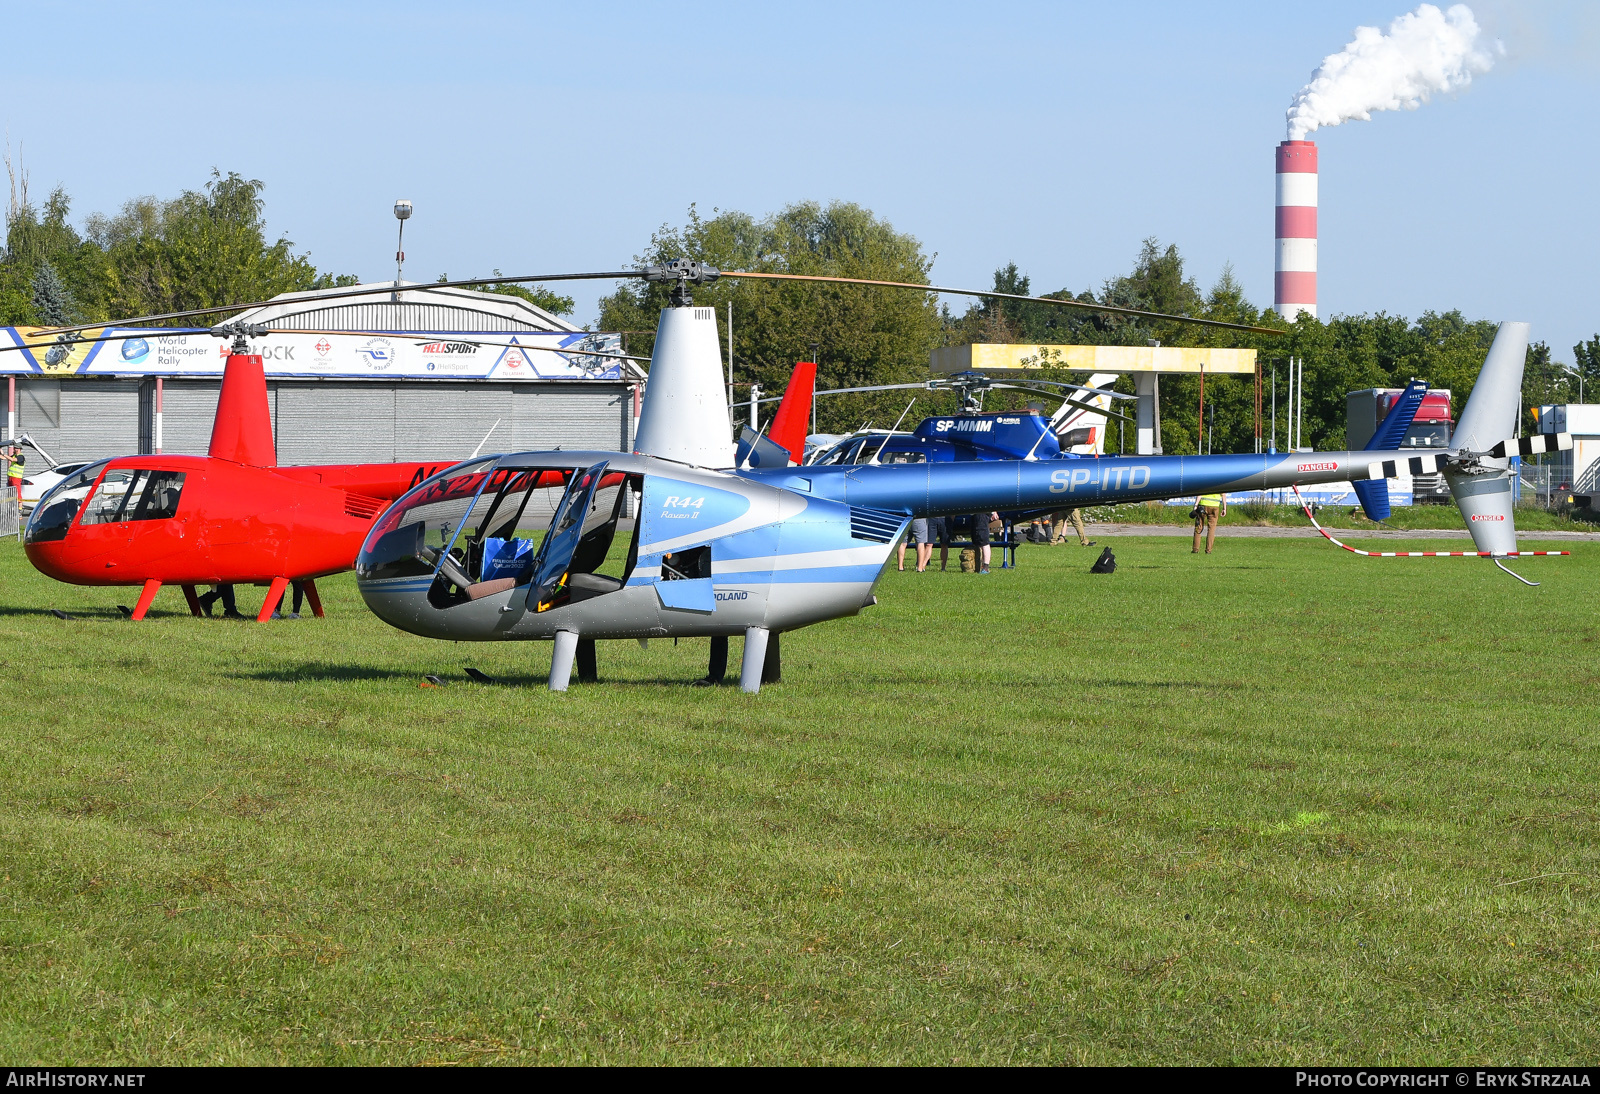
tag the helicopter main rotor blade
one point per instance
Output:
(837, 391)
(1077, 387)
(142, 332)
(991, 295)
(1071, 402)
(341, 294)
(699, 274)
(937, 385)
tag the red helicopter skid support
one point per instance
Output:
(194, 601)
(274, 594)
(1413, 554)
(312, 598)
(145, 598)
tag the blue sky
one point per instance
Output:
(556, 137)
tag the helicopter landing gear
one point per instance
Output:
(145, 599)
(763, 659)
(772, 663)
(718, 669)
(194, 601)
(755, 659)
(312, 598)
(274, 594)
(566, 646)
(588, 673)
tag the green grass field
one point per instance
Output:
(1278, 805)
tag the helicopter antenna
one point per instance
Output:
(891, 432)
(485, 440)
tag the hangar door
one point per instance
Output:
(80, 419)
(188, 408)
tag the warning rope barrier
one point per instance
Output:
(1414, 554)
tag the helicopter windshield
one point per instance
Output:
(128, 493)
(480, 529)
(418, 532)
(53, 516)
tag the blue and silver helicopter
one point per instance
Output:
(518, 547)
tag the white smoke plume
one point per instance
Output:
(1424, 52)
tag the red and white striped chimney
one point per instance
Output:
(1295, 282)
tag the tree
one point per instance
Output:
(52, 303)
(1587, 355)
(35, 240)
(200, 249)
(865, 335)
(1544, 381)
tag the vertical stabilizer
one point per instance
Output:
(788, 429)
(684, 416)
(1391, 432)
(1481, 484)
(242, 431)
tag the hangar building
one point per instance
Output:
(420, 373)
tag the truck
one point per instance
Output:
(1431, 428)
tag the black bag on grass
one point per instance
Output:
(1105, 564)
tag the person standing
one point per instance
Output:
(1058, 527)
(980, 540)
(299, 598)
(1209, 508)
(15, 467)
(939, 530)
(918, 538)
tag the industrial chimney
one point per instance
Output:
(1295, 283)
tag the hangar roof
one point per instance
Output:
(416, 306)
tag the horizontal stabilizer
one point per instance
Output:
(1533, 446)
(1374, 495)
(1412, 465)
(755, 450)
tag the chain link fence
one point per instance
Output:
(1546, 485)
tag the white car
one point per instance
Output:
(36, 484)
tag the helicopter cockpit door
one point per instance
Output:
(672, 511)
(548, 588)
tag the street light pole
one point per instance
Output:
(402, 213)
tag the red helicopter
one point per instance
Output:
(230, 517)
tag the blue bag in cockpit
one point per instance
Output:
(505, 557)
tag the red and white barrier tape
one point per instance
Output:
(1414, 554)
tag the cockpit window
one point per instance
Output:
(53, 516)
(904, 457)
(134, 494)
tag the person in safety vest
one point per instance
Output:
(15, 465)
(1208, 509)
